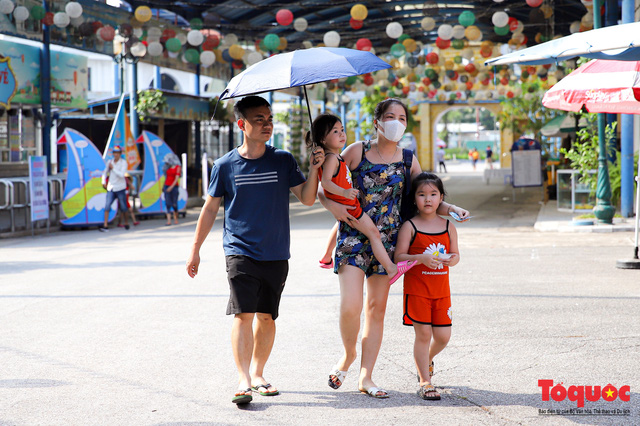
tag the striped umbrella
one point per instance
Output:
(600, 86)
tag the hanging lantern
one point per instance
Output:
(473, 33)
(6, 7)
(445, 31)
(61, 20)
(500, 19)
(331, 39)
(196, 24)
(254, 58)
(155, 48)
(236, 52)
(271, 42)
(501, 30)
(432, 58)
(106, 33)
(534, 3)
(359, 12)
(173, 45)
(458, 32)
(466, 18)
(394, 30)
(443, 44)
(457, 44)
(143, 13)
(73, 9)
(37, 12)
(230, 39)
(397, 50)
(207, 58)
(211, 42)
(48, 21)
(355, 24)
(364, 44)
(410, 45)
(574, 27)
(195, 37)
(300, 24)
(138, 49)
(428, 23)
(20, 14)
(284, 17)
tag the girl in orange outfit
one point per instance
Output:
(327, 132)
(433, 242)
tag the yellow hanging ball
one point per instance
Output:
(236, 52)
(359, 12)
(410, 44)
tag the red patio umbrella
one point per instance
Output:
(600, 86)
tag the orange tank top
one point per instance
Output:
(423, 281)
(342, 178)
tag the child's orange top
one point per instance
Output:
(342, 178)
(423, 281)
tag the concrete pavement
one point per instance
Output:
(107, 329)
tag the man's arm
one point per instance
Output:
(306, 192)
(120, 169)
(205, 223)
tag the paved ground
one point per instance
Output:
(107, 329)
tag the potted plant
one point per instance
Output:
(150, 102)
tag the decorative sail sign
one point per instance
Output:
(8, 84)
(84, 196)
(121, 136)
(151, 196)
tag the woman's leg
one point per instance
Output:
(331, 244)
(368, 228)
(351, 294)
(375, 308)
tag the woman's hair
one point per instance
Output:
(428, 179)
(320, 128)
(383, 106)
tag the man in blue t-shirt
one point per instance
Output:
(254, 180)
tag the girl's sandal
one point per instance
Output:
(428, 389)
(336, 377)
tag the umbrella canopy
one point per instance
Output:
(619, 42)
(301, 67)
(600, 86)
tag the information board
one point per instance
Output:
(38, 189)
(525, 168)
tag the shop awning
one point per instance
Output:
(561, 125)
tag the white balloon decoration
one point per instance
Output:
(195, 37)
(207, 58)
(428, 23)
(574, 27)
(73, 9)
(230, 39)
(138, 32)
(394, 29)
(445, 31)
(254, 58)
(154, 32)
(155, 48)
(61, 19)
(500, 19)
(182, 37)
(138, 49)
(300, 24)
(331, 39)
(6, 6)
(20, 14)
(458, 32)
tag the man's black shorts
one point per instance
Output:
(256, 286)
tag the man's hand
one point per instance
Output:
(316, 158)
(192, 264)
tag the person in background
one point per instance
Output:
(440, 157)
(129, 189)
(116, 185)
(489, 159)
(171, 189)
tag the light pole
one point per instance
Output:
(131, 56)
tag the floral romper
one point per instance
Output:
(380, 193)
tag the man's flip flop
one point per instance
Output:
(336, 377)
(376, 392)
(266, 391)
(242, 397)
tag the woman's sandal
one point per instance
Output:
(336, 377)
(324, 265)
(242, 397)
(428, 389)
(403, 267)
(376, 392)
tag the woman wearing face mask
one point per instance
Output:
(377, 171)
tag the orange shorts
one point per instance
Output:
(423, 310)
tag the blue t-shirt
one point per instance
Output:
(256, 202)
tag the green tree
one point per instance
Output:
(525, 113)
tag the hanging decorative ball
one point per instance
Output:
(448, 64)
(473, 33)
(154, 34)
(125, 30)
(547, 11)
(397, 50)
(138, 49)
(143, 13)
(432, 58)
(445, 31)
(359, 12)
(300, 24)
(192, 55)
(107, 33)
(196, 24)
(428, 23)
(85, 29)
(212, 41)
(394, 29)
(226, 56)
(173, 45)
(500, 19)
(73, 9)
(271, 42)
(20, 13)
(457, 44)
(37, 12)
(368, 80)
(167, 34)
(355, 24)
(230, 39)
(501, 30)
(534, 3)
(466, 18)
(443, 44)
(364, 44)
(6, 7)
(155, 48)
(284, 17)
(409, 44)
(574, 27)
(254, 58)
(236, 52)
(458, 32)
(283, 43)
(182, 37)
(195, 38)
(48, 21)
(207, 58)
(331, 39)
(61, 20)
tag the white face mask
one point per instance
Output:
(392, 130)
